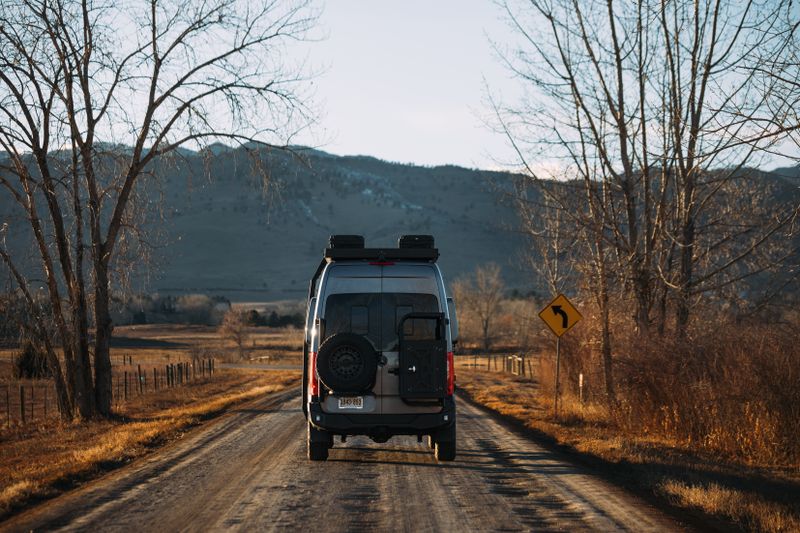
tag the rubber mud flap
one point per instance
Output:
(347, 363)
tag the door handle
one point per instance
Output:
(412, 369)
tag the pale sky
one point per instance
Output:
(403, 81)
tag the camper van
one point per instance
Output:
(378, 348)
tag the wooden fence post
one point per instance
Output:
(139, 376)
(22, 403)
(33, 403)
(126, 385)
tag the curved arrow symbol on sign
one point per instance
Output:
(564, 319)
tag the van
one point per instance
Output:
(378, 347)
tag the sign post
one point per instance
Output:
(559, 315)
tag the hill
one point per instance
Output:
(225, 231)
(251, 225)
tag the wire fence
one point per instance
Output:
(516, 364)
(33, 401)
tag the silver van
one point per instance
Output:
(378, 349)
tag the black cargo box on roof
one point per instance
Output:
(346, 241)
(382, 254)
(415, 241)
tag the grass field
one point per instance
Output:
(46, 456)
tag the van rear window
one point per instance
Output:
(377, 316)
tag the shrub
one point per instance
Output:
(31, 363)
(735, 390)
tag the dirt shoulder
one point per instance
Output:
(40, 462)
(724, 493)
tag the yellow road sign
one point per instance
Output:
(560, 315)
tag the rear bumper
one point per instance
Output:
(383, 425)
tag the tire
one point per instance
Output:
(445, 451)
(445, 446)
(317, 451)
(347, 363)
(318, 443)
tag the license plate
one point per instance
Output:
(351, 402)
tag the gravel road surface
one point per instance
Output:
(248, 471)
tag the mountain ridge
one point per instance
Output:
(219, 230)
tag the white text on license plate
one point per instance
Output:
(351, 402)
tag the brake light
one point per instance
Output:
(451, 374)
(314, 382)
(381, 263)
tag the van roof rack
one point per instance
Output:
(382, 254)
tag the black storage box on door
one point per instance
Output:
(423, 362)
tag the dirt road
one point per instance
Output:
(248, 471)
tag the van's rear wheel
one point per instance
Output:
(445, 451)
(445, 443)
(317, 451)
(318, 443)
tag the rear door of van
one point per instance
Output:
(406, 288)
(352, 304)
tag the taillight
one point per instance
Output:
(314, 382)
(382, 263)
(451, 374)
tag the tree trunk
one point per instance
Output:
(104, 328)
(605, 340)
(641, 285)
(686, 273)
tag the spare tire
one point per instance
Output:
(347, 363)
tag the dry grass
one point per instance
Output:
(748, 510)
(39, 462)
(165, 343)
(761, 497)
(43, 458)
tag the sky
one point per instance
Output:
(404, 81)
(408, 81)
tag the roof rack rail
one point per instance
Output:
(382, 254)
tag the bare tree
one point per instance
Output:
(234, 329)
(481, 295)
(91, 94)
(654, 108)
(551, 237)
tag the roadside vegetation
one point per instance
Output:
(708, 423)
(640, 134)
(47, 456)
